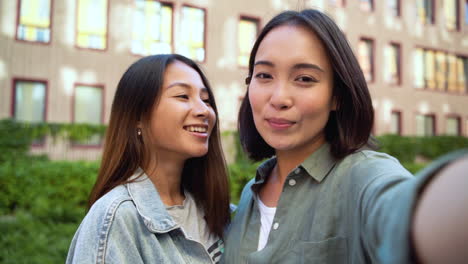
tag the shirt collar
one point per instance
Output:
(149, 204)
(320, 163)
(317, 165)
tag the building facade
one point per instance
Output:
(60, 61)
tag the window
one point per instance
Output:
(366, 5)
(248, 30)
(152, 28)
(29, 100)
(193, 33)
(466, 12)
(392, 65)
(88, 109)
(462, 74)
(451, 14)
(366, 58)
(394, 7)
(395, 127)
(92, 24)
(453, 126)
(34, 21)
(425, 125)
(87, 105)
(466, 127)
(340, 3)
(441, 70)
(437, 70)
(425, 11)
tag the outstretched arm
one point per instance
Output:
(440, 223)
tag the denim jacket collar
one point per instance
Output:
(149, 204)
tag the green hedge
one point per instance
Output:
(41, 205)
(406, 149)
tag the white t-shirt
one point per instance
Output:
(266, 218)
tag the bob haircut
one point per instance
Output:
(138, 92)
(348, 128)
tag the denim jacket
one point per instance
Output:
(130, 224)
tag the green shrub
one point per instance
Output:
(406, 149)
(41, 205)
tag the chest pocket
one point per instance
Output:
(332, 250)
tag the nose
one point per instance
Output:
(200, 108)
(281, 98)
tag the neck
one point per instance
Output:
(287, 160)
(166, 174)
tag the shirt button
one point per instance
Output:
(297, 170)
(275, 226)
(292, 182)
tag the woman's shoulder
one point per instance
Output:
(366, 166)
(371, 160)
(105, 216)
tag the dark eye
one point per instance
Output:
(263, 76)
(306, 79)
(207, 101)
(183, 96)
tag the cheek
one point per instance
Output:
(255, 99)
(212, 117)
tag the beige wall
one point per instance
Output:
(63, 65)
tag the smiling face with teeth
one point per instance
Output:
(182, 120)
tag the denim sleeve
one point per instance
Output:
(101, 238)
(387, 200)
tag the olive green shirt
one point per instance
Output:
(355, 210)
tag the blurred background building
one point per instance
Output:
(61, 60)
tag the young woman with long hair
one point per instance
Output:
(322, 195)
(162, 192)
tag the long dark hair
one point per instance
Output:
(348, 128)
(137, 93)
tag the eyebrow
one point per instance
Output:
(186, 86)
(295, 67)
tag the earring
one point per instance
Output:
(138, 132)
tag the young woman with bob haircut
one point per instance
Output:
(323, 195)
(162, 193)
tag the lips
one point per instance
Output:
(280, 123)
(198, 130)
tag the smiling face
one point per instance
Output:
(291, 90)
(182, 121)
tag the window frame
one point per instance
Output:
(15, 80)
(458, 118)
(398, 13)
(434, 122)
(399, 64)
(76, 30)
(372, 6)
(436, 89)
(433, 14)
(457, 18)
(372, 59)
(163, 2)
(251, 18)
(18, 14)
(341, 4)
(205, 26)
(72, 112)
(400, 121)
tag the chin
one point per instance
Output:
(198, 153)
(279, 145)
